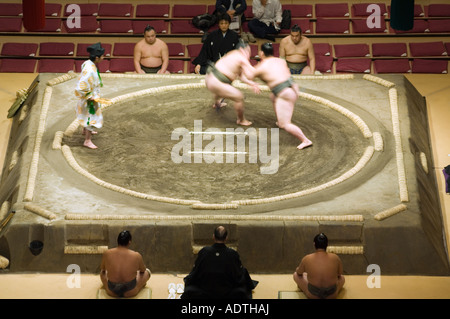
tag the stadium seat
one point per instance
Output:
(351, 50)
(183, 26)
(115, 10)
(17, 65)
(437, 10)
(176, 49)
(51, 25)
(427, 49)
(194, 49)
(389, 49)
(10, 24)
(55, 65)
(418, 10)
(362, 10)
(124, 49)
(86, 24)
(361, 26)
(116, 26)
(86, 9)
(160, 26)
(53, 9)
(82, 49)
(420, 26)
(323, 49)
(299, 10)
(439, 26)
(176, 66)
(11, 9)
(332, 26)
(360, 65)
(392, 66)
(430, 66)
(19, 49)
(56, 49)
(324, 63)
(332, 10)
(121, 65)
(188, 10)
(152, 10)
(248, 13)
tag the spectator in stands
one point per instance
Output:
(232, 7)
(267, 17)
(235, 64)
(151, 55)
(89, 113)
(319, 274)
(218, 273)
(275, 73)
(217, 44)
(296, 49)
(122, 270)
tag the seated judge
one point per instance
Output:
(217, 44)
(218, 273)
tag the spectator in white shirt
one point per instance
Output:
(267, 19)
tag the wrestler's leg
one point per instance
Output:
(302, 284)
(141, 281)
(284, 108)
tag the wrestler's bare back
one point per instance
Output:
(233, 65)
(273, 71)
(295, 53)
(122, 264)
(150, 55)
(323, 268)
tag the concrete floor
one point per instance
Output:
(436, 89)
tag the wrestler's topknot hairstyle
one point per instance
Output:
(321, 241)
(241, 44)
(296, 28)
(267, 49)
(149, 28)
(124, 238)
(220, 233)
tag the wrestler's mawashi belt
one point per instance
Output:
(219, 75)
(296, 68)
(151, 69)
(280, 87)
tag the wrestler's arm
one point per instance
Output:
(312, 58)
(137, 59)
(165, 58)
(247, 75)
(301, 268)
(141, 264)
(282, 50)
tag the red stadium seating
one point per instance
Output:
(323, 49)
(439, 26)
(299, 10)
(86, 9)
(389, 49)
(353, 65)
(332, 10)
(305, 24)
(56, 49)
(194, 49)
(176, 66)
(116, 26)
(115, 10)
(183, 26)
(86, 24)
(51, 25)
(11, 9)
(17, 65)
(53, 9)
(418, 11)
(438, 10)
(392, 66)
(361, 26)
(55, 65)
(176, 49)
(324, 63)
(121, 65)
(153, 10)
(351, 50)
(332, 26)
(420, 26)
(124, 49)
(427, 49)
(362, 10)
(430, 66)
(103, 66)
(188, 10)
(19, 49)
(10, 24)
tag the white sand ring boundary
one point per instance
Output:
(393, 101)
(220, 206)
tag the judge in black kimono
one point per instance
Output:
(216, 45)
(218, 273)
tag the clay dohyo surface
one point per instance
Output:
(135, 153)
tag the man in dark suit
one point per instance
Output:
(218, 273)
(217, 44)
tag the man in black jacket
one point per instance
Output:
(235, 8)
(216, 45)
(218, 273)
